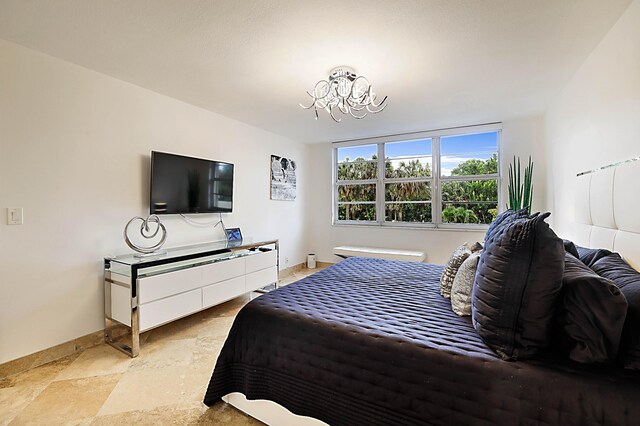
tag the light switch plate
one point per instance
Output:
(15, 216)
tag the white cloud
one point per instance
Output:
(395, 162)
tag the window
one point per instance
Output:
(358, 171)
(408, 180)
(445, 179)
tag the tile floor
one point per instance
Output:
(164, 385)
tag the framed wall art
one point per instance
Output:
(283, 178)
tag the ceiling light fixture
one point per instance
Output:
(347, 92)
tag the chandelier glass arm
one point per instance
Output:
(337, 120)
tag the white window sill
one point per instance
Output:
(415, 226)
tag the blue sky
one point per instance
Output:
(478, 143)
(353, 152)
(484, 144)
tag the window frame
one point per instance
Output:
(436, 179)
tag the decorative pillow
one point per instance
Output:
(516, 288)
(570, 248)
(463, 285)
(589, 256)
(453, 264)
(503, 218)
(627, 280)
(590, 314)
(475, 247)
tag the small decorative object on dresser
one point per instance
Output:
(234, 235)
(145, 231)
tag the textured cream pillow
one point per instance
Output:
(451, 268)
(463, 285)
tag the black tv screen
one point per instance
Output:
(182, 184)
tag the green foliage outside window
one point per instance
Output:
(477, 167)
(474, 201)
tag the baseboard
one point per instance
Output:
(291, 270)
(301, 267)
(51, 354)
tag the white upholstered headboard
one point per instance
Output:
(607, 210)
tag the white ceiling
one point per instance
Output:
(442, 63)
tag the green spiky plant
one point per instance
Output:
(520, 193)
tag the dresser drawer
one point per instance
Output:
(223, 291)
(167, 284)
(259, 279)
(261, 260)
(223, 270)
(170, 308)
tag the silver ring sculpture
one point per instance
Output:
(145, 231)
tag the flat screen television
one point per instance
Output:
(182, 184)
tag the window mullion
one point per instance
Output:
(411, 179)
(436, 197)
(334, 184)
(356, 182)
(380, 190)
(499, 184)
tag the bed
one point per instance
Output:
(371, 341)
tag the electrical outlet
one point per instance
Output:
(286, 260)
(15, 216)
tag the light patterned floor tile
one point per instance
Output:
(179, 415)
(156, 387)
(14, 399)
(186, 328)
(173, 353)
(65, 402)
(39, 376)
(207, 350)
(217, 327)
(100, 360)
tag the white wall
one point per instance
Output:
(595, 120)
(521, 137)
(74, 153)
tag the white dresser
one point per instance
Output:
(145, 292)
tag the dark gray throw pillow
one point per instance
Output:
(627, 280)
(502, 219)
(516, 287)
(589, 256)
(590, 314)
(571, 248)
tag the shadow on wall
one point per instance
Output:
(145, 178)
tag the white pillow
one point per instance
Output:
(451, 268)
(463, 285)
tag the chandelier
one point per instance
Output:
(345, 92)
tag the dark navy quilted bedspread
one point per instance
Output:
(372, 342)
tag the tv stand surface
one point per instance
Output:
(142, 293)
